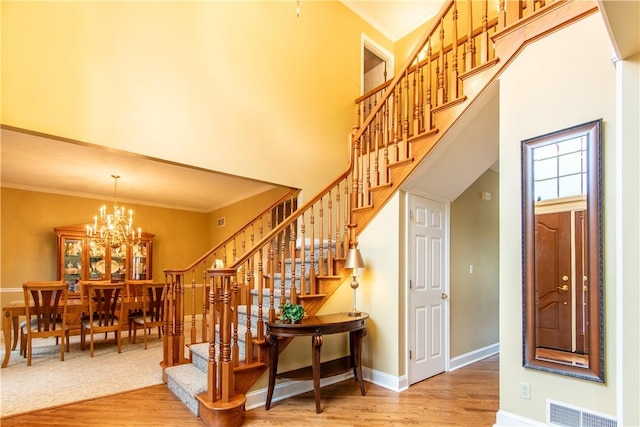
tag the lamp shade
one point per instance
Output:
(354, 259)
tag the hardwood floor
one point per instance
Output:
(465, 397)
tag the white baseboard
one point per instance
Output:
(385, 380)
(473, 356)
(10, 290)
(507, 419)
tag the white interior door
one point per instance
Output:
(428, 299)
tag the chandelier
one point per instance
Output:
(114, 229)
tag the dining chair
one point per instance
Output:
(82, 285)
(106, 311)
(46, 315)
(135, 292)
(152, 315)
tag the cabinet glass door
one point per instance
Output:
(72, 264)
(118, 263)
(97, 267)
(139, 261)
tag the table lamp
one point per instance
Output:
(354, 262)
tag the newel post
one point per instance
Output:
(220, 404)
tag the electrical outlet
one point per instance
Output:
(525, 391)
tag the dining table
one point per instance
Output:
(76, 308)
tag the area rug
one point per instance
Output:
(48, 382)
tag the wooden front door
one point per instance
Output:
(553, 281)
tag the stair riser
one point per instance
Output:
(200, 356)
(189, 401)
(307, 267)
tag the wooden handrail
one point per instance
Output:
(289, 195)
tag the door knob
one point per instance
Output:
(444, 296)
(563, 287)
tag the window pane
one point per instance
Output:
(545, 169)
(546, 190)
(545, 152)
(570, 164)
(570, 145)
(570, 185)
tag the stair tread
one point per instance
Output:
(189, 377)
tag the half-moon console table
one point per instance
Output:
(316, 327)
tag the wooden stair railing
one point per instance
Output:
(176, 280)
(287, 263)
(400, 122)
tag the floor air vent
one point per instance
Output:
(561, 414)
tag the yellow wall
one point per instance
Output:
(474, 241)
(238, 214)
(29, 245)
(554, 84)
(380, 292)
(242, 87)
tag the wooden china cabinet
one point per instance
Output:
(81, 257)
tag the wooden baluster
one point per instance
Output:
(212, 369)
(366, 153)
(417, 94)
(422, 101)
(303, 269)
(170, 340)
(345, 237)
(405, 118)
(502, 14)
(428, 115)
(530, 5)
(260, 322)
(312, 262)
(441, 97)
(337, 228)
(376, 165)
(321, 269)
(365, 185)
(329, 235)
(453, 93)
(283, 267)
(386, 126)
(354, 180)
(514, 11)
(396, 124)
(180, 318)
(193, 332)
(293, 291)
(205, 303)
(272, 268)
(248, 338)
(469, 48)
(226, 364)
(235, 297)
(484, 36)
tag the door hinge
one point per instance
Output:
(410, 355)
(411, 215)
(410, 284)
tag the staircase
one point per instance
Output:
(296, 254)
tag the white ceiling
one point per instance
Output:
(395, 19)
(39, 163)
